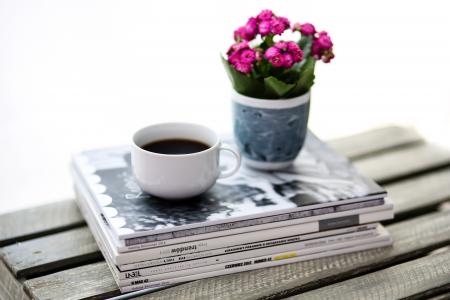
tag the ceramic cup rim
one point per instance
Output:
(176, 156)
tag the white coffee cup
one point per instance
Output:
(176, 176)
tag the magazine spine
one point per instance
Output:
(249, 223)
(275, 260)
(216, 262)
(317, 227)
(321, 220)
(235, 243)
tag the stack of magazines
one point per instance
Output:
(321, 206)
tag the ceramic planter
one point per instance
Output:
(270, 133)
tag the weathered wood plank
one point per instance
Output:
(10, 287)
(376, 141)
(419, 277)
(413, 238)
(404, 162)
(420, 193)
(92, 281)
(38, 221)
(51, 253)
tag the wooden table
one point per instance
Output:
(49, 253)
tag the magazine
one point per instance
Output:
(143, 258)
(320, 178)
(253, 264)
(238, 246)
(216, 262)
(380, 239)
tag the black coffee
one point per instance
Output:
(175, 146)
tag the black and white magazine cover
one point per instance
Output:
(319, 177)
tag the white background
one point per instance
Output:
(86, 74)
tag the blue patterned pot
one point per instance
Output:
(270, 133)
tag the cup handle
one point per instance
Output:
(237, 156)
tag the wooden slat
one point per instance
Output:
(404, 162)
(376, 141)
(10, 287)
(51, 253)
(420, 277)
(92, 281)
(413, 238)
(419, 194)
(38, 221)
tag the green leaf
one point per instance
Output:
(278, 88)
(306, 80)
(242, 83)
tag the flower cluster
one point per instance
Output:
(264, 23)
(271, 56)
(241, 57)
(284, 54)
(322, 47)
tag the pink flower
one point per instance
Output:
(247, 56)
(284, 54)
(322, 47)
(278, 25)
(282, 45)
(295, 50)
(316, 49)
(285, 22)
(307, 29)
(271, 52)
(288, 60)
(265, 15)
(252, 26)
(324, 40)
(237, 47)
(248, 31)
(292, 46)
(241, 57)
(243, 68)
(274, 56)
(264, 28)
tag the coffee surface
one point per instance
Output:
(175, 146)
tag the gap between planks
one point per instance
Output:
(38, 221)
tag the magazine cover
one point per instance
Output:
(320, 177)
(196, 249)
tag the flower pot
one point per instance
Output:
(270, 133)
